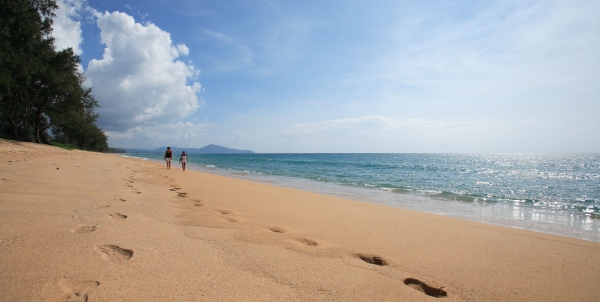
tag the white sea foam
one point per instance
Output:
(130, 156)
(430, 192)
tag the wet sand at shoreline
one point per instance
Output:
(103, 227)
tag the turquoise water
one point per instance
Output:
(550, 193)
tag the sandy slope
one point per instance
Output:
(106, 228)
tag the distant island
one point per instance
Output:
(208, 149)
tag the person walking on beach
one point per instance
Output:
(183, 160)
(168, 157)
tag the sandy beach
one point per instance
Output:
(83, 226)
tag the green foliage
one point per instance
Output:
(42, 97)
(115, 150)
(68, 147)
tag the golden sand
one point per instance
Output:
(79, 226)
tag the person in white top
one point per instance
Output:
(183, 160)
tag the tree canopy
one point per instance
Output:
(42, 97)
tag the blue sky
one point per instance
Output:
(342, 76)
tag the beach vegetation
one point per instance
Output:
(42, 96)
(67, 147)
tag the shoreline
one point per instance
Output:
(105, 227)
(488, 214)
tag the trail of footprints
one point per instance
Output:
(129, 183)
(74, 290)
(368, 258)
(378, 261)
(410, 282)
(111, 251)
(119, 254)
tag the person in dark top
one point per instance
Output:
(168, 157)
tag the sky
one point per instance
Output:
(341, 76)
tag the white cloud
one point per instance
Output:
(185, 134)
(183, 50)
(139, 82)
(374, 120)
(66, 28)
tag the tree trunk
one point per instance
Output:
(34, 125)
(36, 128)
(17, 124)
(44, 140)
(11, 120)
(38, 120)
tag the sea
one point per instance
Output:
(549, 193)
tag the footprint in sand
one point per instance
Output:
(84, 229)
(65, 289)
(277, 230)
(114, 253)
(182, 194)
(175, 189)
(197, 202)
(226, 212)
(307, 241)
(372, 259)
(424, 288)
(117, 216)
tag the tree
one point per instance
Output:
(40, 88)
(75, 125)
(62, 89)
(25, 28)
